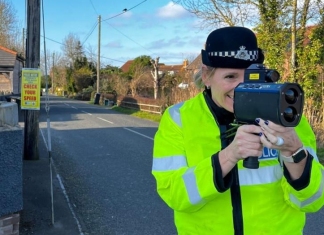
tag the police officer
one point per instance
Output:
(200, 175)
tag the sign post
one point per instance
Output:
(30, 88)
(31, 128)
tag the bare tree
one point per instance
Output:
(155, 75)
(121, 83)
(9, 31)
(72, 48)
(139, 78)
(60, 73)
(92, 55)
(219, 13)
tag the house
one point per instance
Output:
(172, 69)
(194, 66)
(125, 67)
(11, 64)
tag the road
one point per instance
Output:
(104, 161)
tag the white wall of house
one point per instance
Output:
(5, 82)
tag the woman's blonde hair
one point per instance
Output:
(197, 77)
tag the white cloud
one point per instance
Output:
(113, 44)
(172, 10)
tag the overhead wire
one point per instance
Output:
(129, 37)
(94, 27)
(124, 11)
(94, 54)
(94, 7)
(96, 24)
(153, 53)
(91, 31)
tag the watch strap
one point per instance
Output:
(286, 159)
(296, 157)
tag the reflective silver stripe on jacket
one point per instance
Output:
(310, 200)
(191, 186)
(175, 113)
(169, 163)
(312, 152)
(262, 175)
(189, 178)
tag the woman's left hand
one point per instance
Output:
(279, 137)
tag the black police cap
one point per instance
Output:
(231, 47)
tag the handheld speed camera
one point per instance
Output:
(259, 96)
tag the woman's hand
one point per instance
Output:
(284, 139)
(245, 144)
(272, 133)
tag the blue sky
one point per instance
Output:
(153, 27)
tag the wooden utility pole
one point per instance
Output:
(53, 90)
(23, 42)
(98, 64)
(31, 129)
(97, 98)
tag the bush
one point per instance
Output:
(83, 96)
(319, 132)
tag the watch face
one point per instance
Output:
(300, 155)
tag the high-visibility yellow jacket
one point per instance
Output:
(187, 138)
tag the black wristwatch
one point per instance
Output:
(296, 157)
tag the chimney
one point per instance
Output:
(185, 63)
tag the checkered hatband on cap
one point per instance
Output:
(240, 54)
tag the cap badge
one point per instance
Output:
(242, 54)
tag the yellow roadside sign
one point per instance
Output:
(30, 88)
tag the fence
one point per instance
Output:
(142, 107)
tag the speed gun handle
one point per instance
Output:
(249, 162)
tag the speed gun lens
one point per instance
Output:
(290, 114)
(291, 96)
(272, 75)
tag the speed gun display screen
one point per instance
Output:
(254, 76)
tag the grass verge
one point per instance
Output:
(136, 113)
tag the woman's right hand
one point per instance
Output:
(246, 143)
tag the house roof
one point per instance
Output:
(167, 68)
(7, 57)
(195, 64)
(125, 67)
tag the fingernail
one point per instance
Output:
(260, 134)
(257, 120)
(266, 122)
